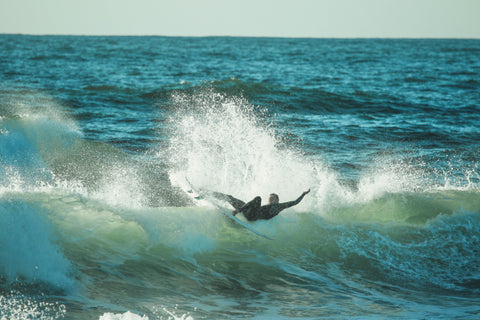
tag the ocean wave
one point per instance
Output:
(413, 241)
(28, 251)
(313, 99)
(287, 98)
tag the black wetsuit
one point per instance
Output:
(254, 210)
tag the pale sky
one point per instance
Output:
(275, 18)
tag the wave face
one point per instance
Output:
(384, 133)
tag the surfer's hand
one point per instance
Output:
(306, 192)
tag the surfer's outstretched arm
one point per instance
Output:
(289, 204)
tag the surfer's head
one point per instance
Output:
(273, 198)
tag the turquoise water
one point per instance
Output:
(384, 132)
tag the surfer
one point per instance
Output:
(253, 210)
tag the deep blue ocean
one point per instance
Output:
(93, 130)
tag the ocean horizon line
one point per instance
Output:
(231, 36)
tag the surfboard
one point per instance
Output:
(194, 194)
(199, 200)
